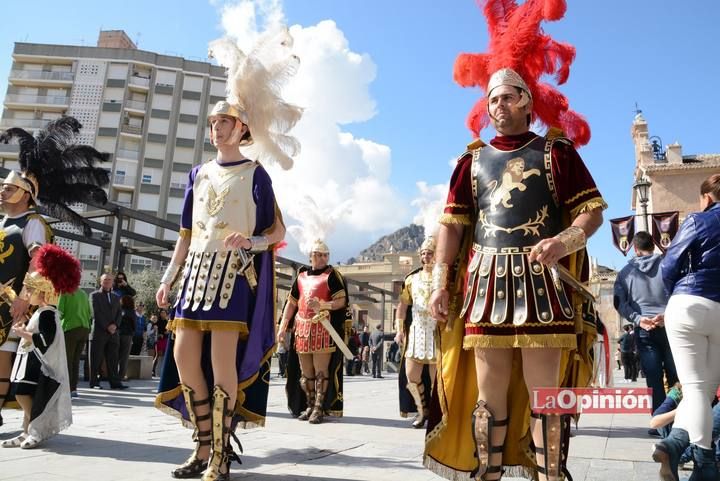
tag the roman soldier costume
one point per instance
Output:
(510, 194)
(419, 341)
(310, 398)
(225, 289)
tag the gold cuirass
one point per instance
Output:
(222, 204)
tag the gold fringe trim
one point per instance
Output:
(529, 324)
(321, 351)
(423, 360)
(579, 194)
(203, 325)
(453, 204)
(463, 219)
(185, 233)
(588, 205)
(446, 471)
(562, 341)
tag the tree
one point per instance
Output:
(146, 283)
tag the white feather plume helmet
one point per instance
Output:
(253, 86)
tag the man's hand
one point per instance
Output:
(647, 323)
(439, 301)
(399, 337)
(281, 336)
(237, 241)
(548, 251)
(19, 308)
(314, 304)
(20, 330)
(112, 328)
(659, 320)
(161, 296)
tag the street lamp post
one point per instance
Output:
(642, 187)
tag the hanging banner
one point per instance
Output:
(623, 231)
(666, 226)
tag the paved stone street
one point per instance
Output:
(118, 435)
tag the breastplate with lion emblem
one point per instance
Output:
(516, 199)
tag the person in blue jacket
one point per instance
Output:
(691, 272)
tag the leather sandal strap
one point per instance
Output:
(500, 422)
(201, 402)
(204, 417)
(204, 442)
(540, 451)
(204, 433)
(4, 379)
(496, 449)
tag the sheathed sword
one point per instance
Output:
(560, 273)
(323, 317)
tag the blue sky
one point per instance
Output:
(656, 53)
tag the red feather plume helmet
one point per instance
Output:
(56, 272)
(518, 42)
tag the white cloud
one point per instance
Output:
(339, 186)
(430, 205)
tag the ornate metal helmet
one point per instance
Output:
(224, 107)
(428, 245)
(41, 284)
(26, 182)
(507, 76)
(57, 272)
(320, 246)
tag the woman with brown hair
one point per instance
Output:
(691, 271)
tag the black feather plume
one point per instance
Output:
(65, 171)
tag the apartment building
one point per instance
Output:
(147, 109)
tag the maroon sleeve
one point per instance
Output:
(460, 204)
(575, 186)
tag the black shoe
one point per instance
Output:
(379, 377)
(95, 386)
(119, 387)
(654, 432)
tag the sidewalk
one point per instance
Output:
(118, 435)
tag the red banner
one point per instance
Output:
(623, 231)
(666, 226)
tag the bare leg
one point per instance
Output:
(493, 368)
(306, 365)
(5, 368)
(25, 403)
(321, 362)
(413, 370)
(541, 368)
(224, 350)
(187, 352)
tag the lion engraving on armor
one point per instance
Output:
(512, 178)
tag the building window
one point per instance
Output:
(147, 179)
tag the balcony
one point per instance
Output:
(128, 154)
(39, 77)
(23, 123)
(46, 102)
(132, 130)
(124, 181)
(136, 105)
(141, 83)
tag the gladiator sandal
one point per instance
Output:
(222, 453)
(321, 385)
(417, 391)
(308, 386)
(555, 433)
(483, 424)
(194, 466)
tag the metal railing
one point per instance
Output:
(23, 123)
(140, 81)
(135, 104)
(37, 99)
(122, 179)
(42, 75)
(128, 154)
(132, 129)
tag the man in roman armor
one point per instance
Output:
(416, 333)
(318, 301)
(511, 244)
(216, 373)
